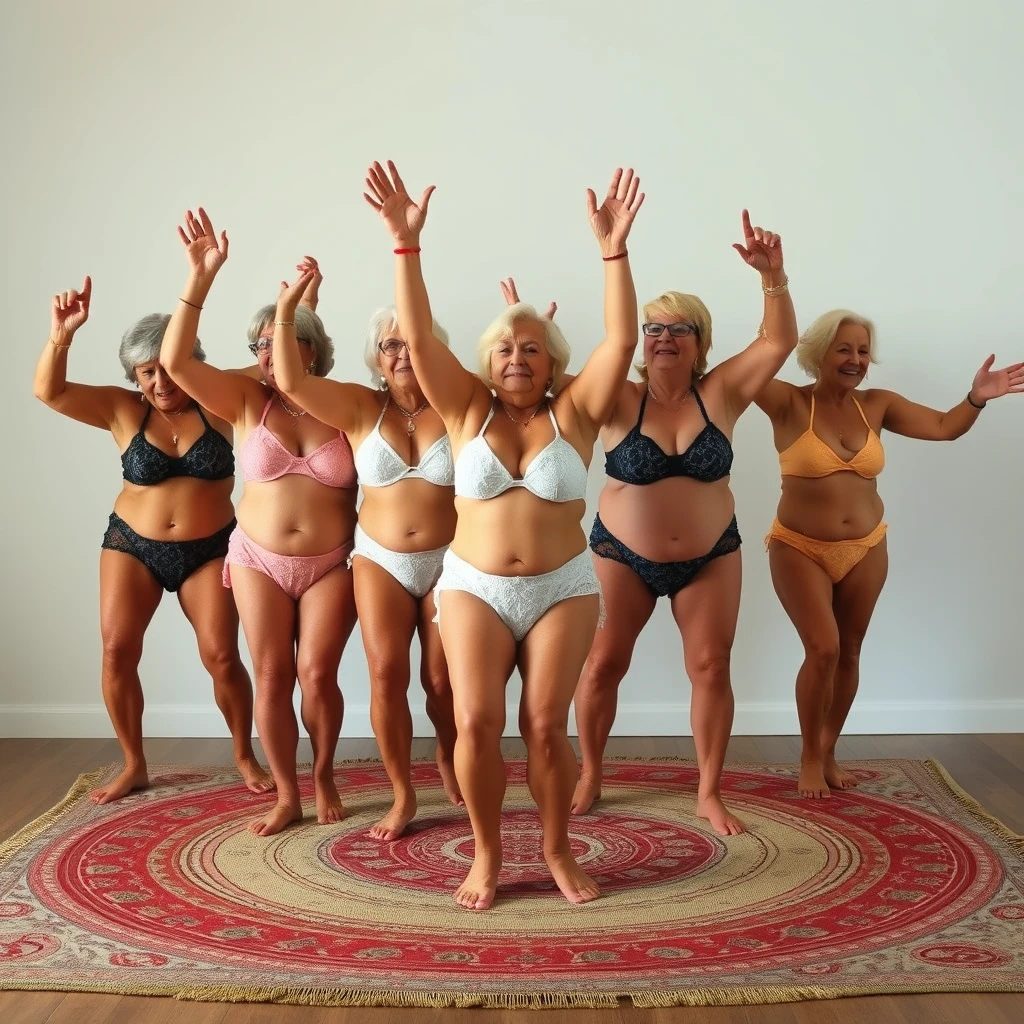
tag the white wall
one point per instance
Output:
(880, 138)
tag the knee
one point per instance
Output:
(219, 656)
(709, 668)
(122, 652)
(606, 666)
(543, 731)
(849, 650)
(435, 682)
(479, 726)
(317, 679)
(821, 650)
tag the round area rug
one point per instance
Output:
(901, 885)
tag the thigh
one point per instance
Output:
(210, 608)
(628, 606)
(706, 610)
(388, 615)
(804, 590)
(431, 649)
(268, 618)
(326, 618)
(856, 594)
(129, 596)
(552, 654)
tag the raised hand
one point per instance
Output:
(292, 294)
(611, 223)
(387, 195)
(989, 383)
(508, 290)
(311, 296)
(69, 311)
(206, 253)
(761, 249)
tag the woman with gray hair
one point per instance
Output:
(406, 522)
(827, 546)
(168, 531)
(286, 560)
(518, 586)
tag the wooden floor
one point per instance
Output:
(38, 773)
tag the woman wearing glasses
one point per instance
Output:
(406, 522)
(286, 559)
(666, 525)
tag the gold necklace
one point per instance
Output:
(674, 408)
(410, 427)
(164, 415)
(523, 423)
(295, 413)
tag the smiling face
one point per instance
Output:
(521, 365)
(393, 359)
(846, 360)
(669, 340)
(158, 388)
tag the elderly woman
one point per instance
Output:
(406, 522)
(827, 547)
(518, 586)
(286, 560)
(168, 531)
(666, 524)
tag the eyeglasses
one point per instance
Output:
(681, 330)
(262, 344)
(392, 346)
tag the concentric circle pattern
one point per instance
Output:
(893, 879)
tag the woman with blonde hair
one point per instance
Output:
(518, 587)
(666, 524)
(827, 546)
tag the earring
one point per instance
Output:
(383, 385)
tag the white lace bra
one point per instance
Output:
(379, 465)
(556, 473)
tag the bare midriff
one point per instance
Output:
(841, 506)
(410, 515)
(296, 515)
(181, 508)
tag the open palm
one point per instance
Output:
(761, 249)
(205, 251)
(989, 383)
(70, 310)
(387, 194)
(613, 219)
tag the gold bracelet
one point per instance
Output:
(284, 323)
(59, 347)
(776, 289)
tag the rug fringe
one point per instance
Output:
(969, 804)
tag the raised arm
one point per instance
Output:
(511, 297)
(904, 417)
(311, 292)
(96, 406)
(344, 406)
(596, 388)
(222, 392)
(448, 386)
(747, 374)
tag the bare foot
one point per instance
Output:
(130, 780)
(812, 782)
(836, 777)
(392, 825)
(255, 778)
(477, 891)
(587, 791)
(448, 780)
(277, 819)
(723, 821)
(576, 885)
(329, 808)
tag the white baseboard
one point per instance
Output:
(35, 721)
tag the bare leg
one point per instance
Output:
(387, 620)
(853, 604)
(481, 655)
(327, 616)
(129, 595)
(551, 657)
(628, 607)
(706, 612)
(268, 620)
(805, 591)
(438, 688)
(209, 607)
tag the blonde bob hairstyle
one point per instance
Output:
(815, 341)
(678, 306)
(503, 328)
(382, 323)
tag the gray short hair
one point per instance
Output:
(381, 324)
(817, 339)
(141, 344)
(308, 328)
(502, 329)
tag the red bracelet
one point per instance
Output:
(406, 252)
(617, 256)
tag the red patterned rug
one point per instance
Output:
(904, 885)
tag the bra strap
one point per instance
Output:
(266, 408)
(380, 418)
(643, 405)
(703, 411)
(862, 416)
(490, 416)
(206, 422)
(554, 422)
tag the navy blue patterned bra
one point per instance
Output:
(210, 458)
(637, 459)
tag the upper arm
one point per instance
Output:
(745, 375)
(902, 416)
(253, 371)
(595, 390)
(343, 406)
(448, 386)
(223, 392)
(94, 406)
(775, 399)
